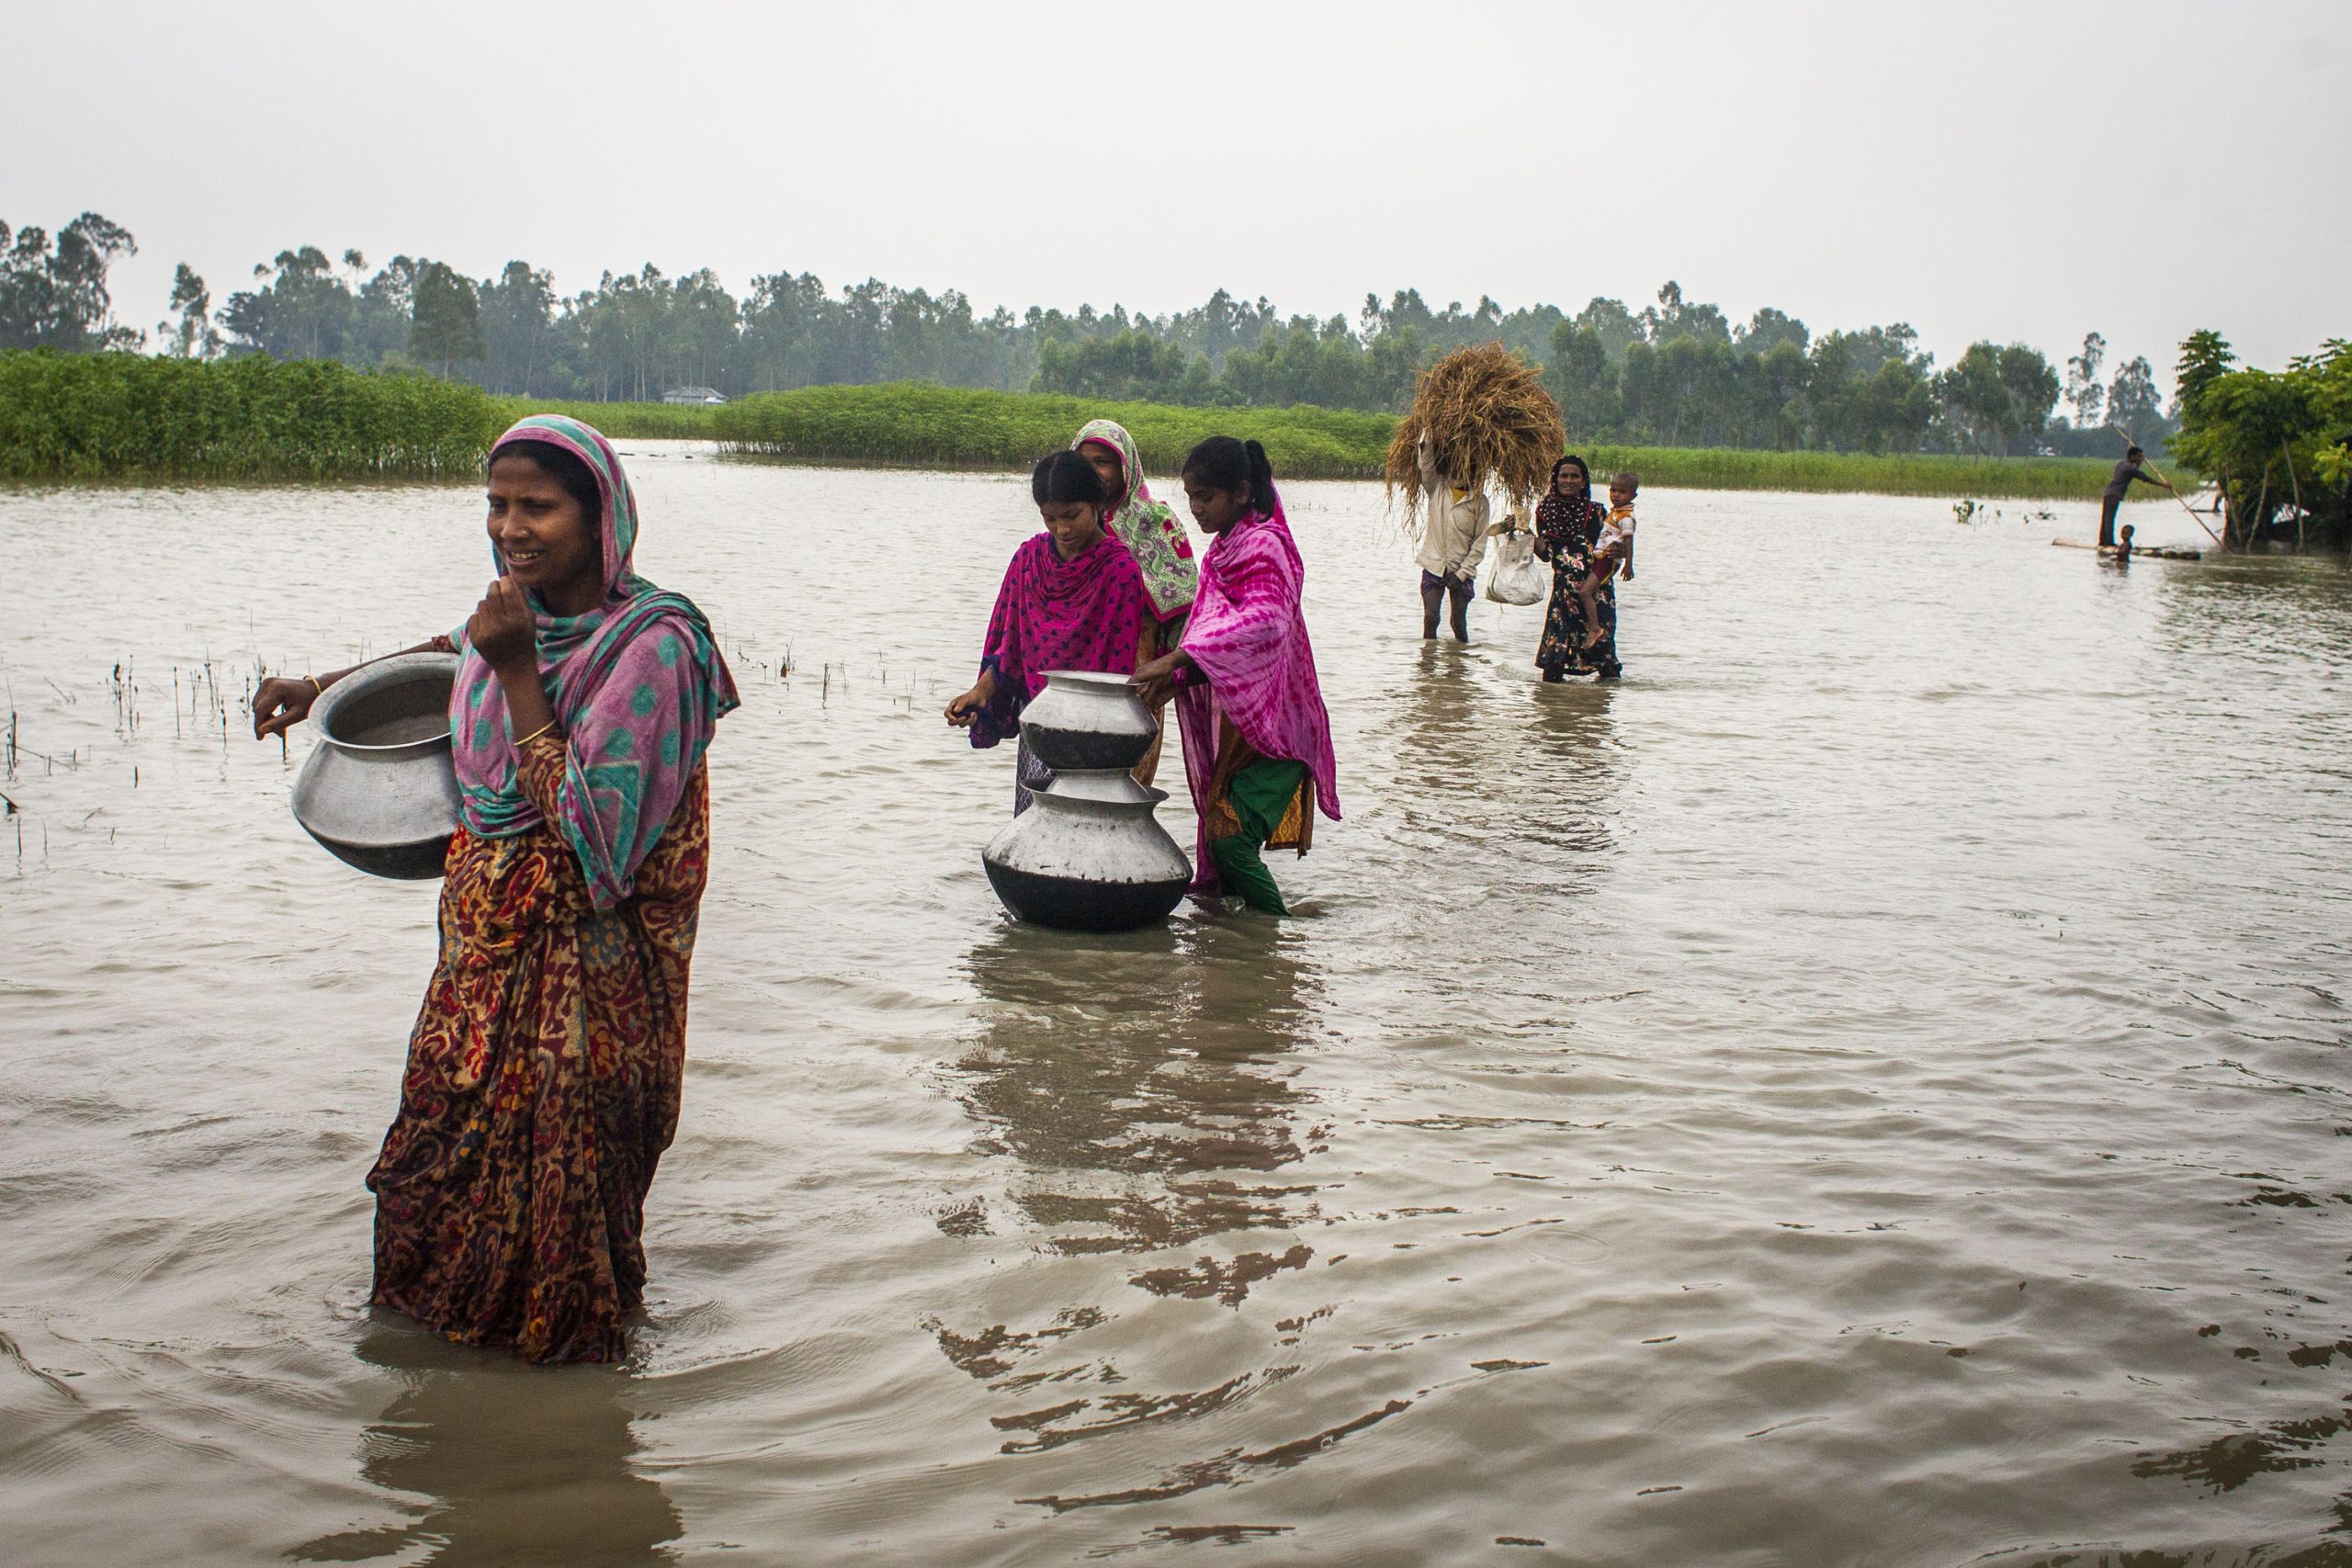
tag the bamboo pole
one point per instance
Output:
(2128, 443)
(2289, 453)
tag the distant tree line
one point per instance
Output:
(1676, 372)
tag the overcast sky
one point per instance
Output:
(2017, 172)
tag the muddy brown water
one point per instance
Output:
(1870, 1088)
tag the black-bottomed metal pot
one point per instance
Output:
(1088, 854)
(380, 789)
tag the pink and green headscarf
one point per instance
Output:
(1149, 528)
(638, 684)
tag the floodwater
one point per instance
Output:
(1869, 1088)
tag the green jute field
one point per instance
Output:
(77, 418)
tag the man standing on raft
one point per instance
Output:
(2125, 472)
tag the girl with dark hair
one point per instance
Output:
(545, 1072)
(1257, 739)
(1072, 599)
(1567, 526)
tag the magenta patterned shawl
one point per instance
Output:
(638, 684)
(1087, 613)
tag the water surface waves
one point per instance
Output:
(1868, 1089)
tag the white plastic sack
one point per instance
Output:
(1517, 577)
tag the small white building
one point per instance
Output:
(692, 395)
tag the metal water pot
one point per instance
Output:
(1083, 721)
(1088, 854)
(379, 789)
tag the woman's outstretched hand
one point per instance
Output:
(963, 710)
(280, 704)
(1155, 680)
(501, 629)
(281, 701)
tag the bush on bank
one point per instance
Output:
(916, 422)
(114, 416)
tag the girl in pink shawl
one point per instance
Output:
(1072, 599)
(1256, 739)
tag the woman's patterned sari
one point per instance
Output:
(544, 1071)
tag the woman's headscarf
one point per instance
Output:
(1567, 523)
(637, 683)
(1146, 527)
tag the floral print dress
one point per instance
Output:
(1566, 530)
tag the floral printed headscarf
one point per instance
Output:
(1148, 527)
(637, 683)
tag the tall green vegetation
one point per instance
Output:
(120, 416)
(126, 416)
(943, 426)
(2278, 442)
(910, 422)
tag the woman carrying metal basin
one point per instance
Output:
(545, 1070)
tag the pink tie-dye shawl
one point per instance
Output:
(1248, 639)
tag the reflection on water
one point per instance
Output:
(1578, 774)
(1145, 1086)
(1142, 1084)
(511, 1465)
(1891, 1046)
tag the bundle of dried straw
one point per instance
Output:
(1492, 424)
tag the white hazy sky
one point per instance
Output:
(2017, 172)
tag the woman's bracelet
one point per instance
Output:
(534, 734)
(316, 689)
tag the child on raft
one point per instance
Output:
(1072, 599)
(1257, 737)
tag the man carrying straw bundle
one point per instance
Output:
(1480, 419)
(1453, 538)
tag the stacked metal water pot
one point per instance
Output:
(1088, 854)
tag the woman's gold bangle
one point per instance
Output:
(316, 689)
(534, 734)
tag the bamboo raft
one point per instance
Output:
(2154, 552)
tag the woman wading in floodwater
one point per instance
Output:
(1257, 737)
(1072, 599)
(1567, 524)
(545, 1070)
